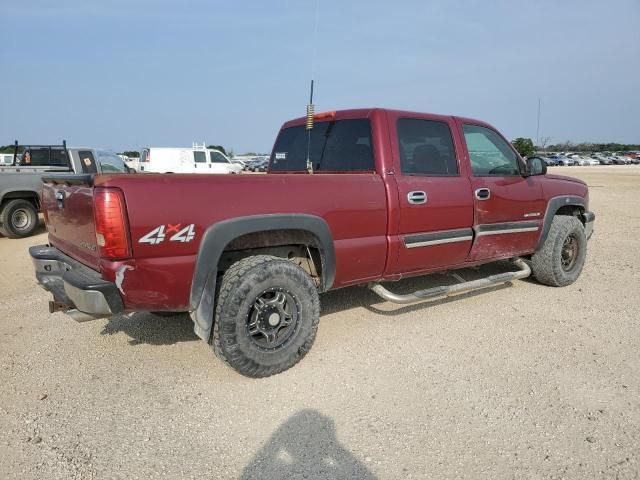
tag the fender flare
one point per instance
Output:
(553, 206)
(219, 235)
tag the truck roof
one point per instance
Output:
(366, 112)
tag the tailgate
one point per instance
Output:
(67, 202)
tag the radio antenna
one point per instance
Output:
(310, 106)
(309, 127)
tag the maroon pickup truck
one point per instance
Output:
(368, 196)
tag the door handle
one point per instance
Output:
(483, 194)
(60, 199)
(417, 197)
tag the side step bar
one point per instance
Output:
(447, 291)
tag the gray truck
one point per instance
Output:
(21, 181)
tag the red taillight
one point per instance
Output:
(110, 216)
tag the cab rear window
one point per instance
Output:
(336, 146)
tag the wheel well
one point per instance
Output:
(299, 246)
(31, 197)
(572, 211)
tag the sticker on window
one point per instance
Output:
(281, 155)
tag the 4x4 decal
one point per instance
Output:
(158, 234)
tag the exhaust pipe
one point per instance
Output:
(437, 293)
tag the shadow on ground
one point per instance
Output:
(305, 446)
(149, 328)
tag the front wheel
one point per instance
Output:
(267, 316)
(560, 260)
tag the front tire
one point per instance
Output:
(560, 260)
(19, 218)
(267, 316)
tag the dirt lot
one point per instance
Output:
(523, 381)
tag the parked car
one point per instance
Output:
(562, 161)
(580, 160)
(257, 165)
(250, 274)
(21, 184)
(185, 160)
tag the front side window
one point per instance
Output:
(489, 154)
(200, 157)
(111, 163)
(336, 146)
(217, 157)
(426, 148)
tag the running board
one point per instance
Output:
(447, 291)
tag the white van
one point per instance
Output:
(185, 160)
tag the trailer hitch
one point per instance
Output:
(437, 293)
(58, 307)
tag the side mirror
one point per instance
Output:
(536, 166)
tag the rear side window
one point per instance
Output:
(426, 148)
(144, 156)
(87, 161)
(337, 146)
(490, 155)
(200, 157)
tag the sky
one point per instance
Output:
(126, 74)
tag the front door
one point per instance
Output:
(508, 208)
(436, 206)
(219, 164)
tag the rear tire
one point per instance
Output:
(19, 218)
(267, 316)
(560, 260)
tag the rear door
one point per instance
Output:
(436, 206)
(508, 208)
(200, 163)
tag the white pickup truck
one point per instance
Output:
(21, 184)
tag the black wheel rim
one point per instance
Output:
(569, 252)
(273, 319)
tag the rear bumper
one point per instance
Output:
(77, 290)
(589, 219)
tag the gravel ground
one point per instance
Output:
(522, 381)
